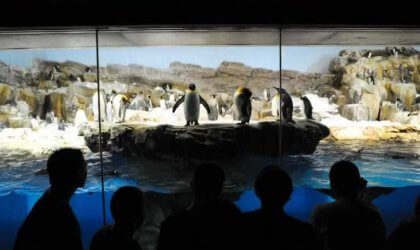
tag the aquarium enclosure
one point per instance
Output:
(167, 100)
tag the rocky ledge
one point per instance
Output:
(209, 141)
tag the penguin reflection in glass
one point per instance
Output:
(242, 102)
(286, 104)
(192, 101)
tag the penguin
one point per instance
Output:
(275, 105)
(139, 102)
(307, 107)
(356, 97)
(61, 125)
(56, 68)
(214, 108)
(119, 106)
(266, 94)
(166, 87)
(50, 117)
(286, 105)
(46, 107)
(88, 70)
(371, 80)
(243, 106)
(163, 104)
(398, 104)
(192, 101)
(172, 100)
(96, 104)
(80, 118)
(108, 109)
(149, 103)
(51, 76)
(369, 55)
(395, 51)
(72, 78)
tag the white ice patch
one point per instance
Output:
(42, 141)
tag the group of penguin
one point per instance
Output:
(114, 107)
(242, 105)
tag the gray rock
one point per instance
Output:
(354, 112)
(211, 141)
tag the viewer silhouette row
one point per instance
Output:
(213, 223)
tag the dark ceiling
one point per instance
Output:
(24, 13)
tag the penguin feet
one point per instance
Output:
(187, 125)
(196, 123)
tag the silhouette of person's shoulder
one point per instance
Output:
(343, 208)
(51, 224)
(108, 238)
(282, 231)
(405, 236)
(357, 223)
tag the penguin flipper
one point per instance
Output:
(205, 104)
(181, 100)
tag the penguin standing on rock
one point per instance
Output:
(242, 103)
(307, 107)
(214, 108)
(192, 101)
(286, 105)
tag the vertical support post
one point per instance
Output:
(100, 129)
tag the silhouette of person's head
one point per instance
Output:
(67, 170)
(207, 183)
(128, 208)
(273, 187)
(345, 180)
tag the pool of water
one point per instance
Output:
(388, 164)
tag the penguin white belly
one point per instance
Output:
(275, 106)
(214, 110)
(192, 107)
(162, 103)
(95, 106)
(80, 117)
(109, 111)
(117, 108)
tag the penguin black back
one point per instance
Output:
(307, 107)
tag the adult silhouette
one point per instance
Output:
(209, 223)
(51, 224)
(270, 227)
(348, 222)
(406, 235)
(128, 211)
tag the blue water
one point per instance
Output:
(382, 164)
(394, 207)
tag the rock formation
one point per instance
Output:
(210, 141)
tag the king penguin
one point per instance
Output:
(192, 101)
(307, 107)
(286, 104)
(242, 103)
(96, 103)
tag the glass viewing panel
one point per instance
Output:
(45, 106)
(145, 75)
(363, 85)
